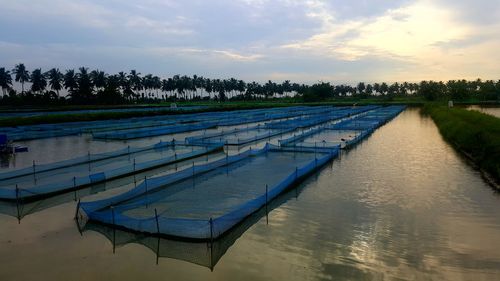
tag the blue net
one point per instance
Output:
(157, 131)
(76, 173)
(237, 136)
(344, 133)
(206, 201)
(168, 122)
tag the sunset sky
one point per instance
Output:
(339, 41)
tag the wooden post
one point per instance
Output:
(17, 205)
(267, 217)
(134, 165)
(211, 244)
(157, 223)
(74, 186)
(211, 230)
(34, 171)
(114, 227)
(77, 211)
(146, 187)
(158, 250)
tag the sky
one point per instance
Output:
(338, 41)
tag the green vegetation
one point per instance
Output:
(84, 87)
(474, 133)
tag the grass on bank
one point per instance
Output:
(472, 132)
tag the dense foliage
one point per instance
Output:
(97, 87)
(472, 132)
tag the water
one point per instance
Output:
(495, 111)
(401, 205)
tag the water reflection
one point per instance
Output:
(393, 207)
(491, 110)
(401, 205)
(205, 254)
(22, 208)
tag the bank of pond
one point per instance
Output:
(475, 134)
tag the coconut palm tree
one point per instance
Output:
(55, 78)
(38, 82)
(84, 84)
(156, 84)
(135, 81)
(98, 79)
(69, 81)
(21, 74)
(5, 80)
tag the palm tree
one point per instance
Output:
(69, 81)
(55, 79)
(124, 84)
(98, 79)
(369, 90)
(361, 88)
(21, 74)
(156, 84)
(5, 80)
(384, 88)
(84, 84)
(38, 82)
(135, 81)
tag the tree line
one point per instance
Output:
(97, 87)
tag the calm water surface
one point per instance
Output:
(402, 205)
(495, 111)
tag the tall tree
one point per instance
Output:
(38, 82)
(84, 85)
(135, 81)
(5, 80)
(69, 81)
(21, 74)
(55, 78)
(98, 79)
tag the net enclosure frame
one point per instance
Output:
(75, 183)
(211, 138)
(364, 124)
(109, 211)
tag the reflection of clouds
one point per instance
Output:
(400, 205)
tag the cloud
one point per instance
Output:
(310, 40)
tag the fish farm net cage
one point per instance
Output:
(346, 132)
(135, 127)
(48, 179)
(205, 201)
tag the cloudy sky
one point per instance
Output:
(303, 41)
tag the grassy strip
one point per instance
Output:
(472, 132)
